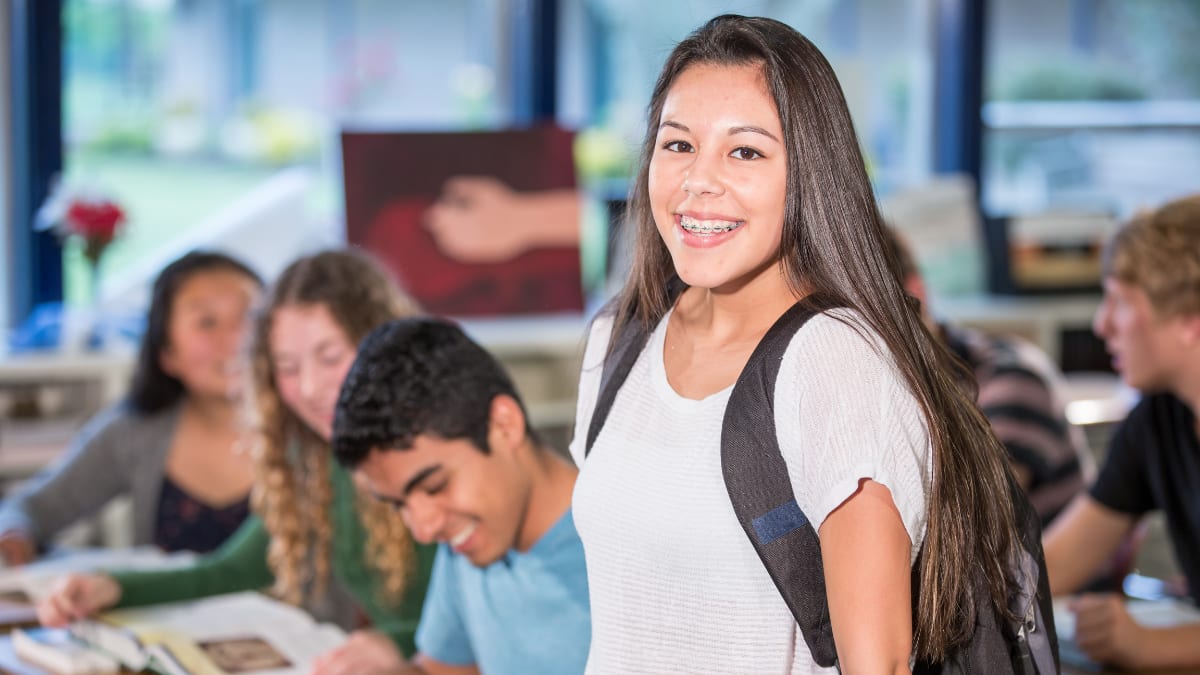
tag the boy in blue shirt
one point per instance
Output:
(431, 423)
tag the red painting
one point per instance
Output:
(472, 223)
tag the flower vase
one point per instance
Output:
(94, 332)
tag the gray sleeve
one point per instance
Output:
(92, 471)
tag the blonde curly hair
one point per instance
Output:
(292, 491)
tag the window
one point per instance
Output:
(1094, 105)
(611, 51)
(210, 120)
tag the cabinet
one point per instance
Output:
(46, 396)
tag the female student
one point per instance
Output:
(752, 193)
(174, 444)
(311, 523)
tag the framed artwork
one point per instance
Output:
(471, 223)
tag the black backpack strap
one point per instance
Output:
(623, 352)
(756, 477)
(1033, 604)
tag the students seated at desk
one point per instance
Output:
(174, 444)
(1021, 392)
(311, 523)
(432, 424)
(1150, 322)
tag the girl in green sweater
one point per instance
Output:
(311, 522)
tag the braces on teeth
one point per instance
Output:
(692, 226)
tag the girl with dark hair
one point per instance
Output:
(752, 196)
(312, 526)
(175, 443)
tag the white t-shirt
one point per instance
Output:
(675, 585)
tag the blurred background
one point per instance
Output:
(204, 118)
(1005, 138)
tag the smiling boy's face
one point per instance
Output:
(449, 491)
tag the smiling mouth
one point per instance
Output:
(708, 227)
(462, 536)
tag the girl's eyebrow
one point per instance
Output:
(749, 128)
(753, 130)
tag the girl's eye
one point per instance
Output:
(746, 153)
(434, 489)
(285, 368)
(677, 146)
(331, 359)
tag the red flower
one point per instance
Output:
(95, 221)
(72, 211)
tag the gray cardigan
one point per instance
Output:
(119, 451)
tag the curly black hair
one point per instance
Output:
(417, 376)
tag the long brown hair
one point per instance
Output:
(833, 245)
(292, 491)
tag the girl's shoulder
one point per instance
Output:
(839, 333)
(599, 335)
(839, 354)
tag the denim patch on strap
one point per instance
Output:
(778, 521)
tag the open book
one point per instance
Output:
(235, 633)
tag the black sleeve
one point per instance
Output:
(1123, 484)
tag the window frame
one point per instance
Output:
(34, 107)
